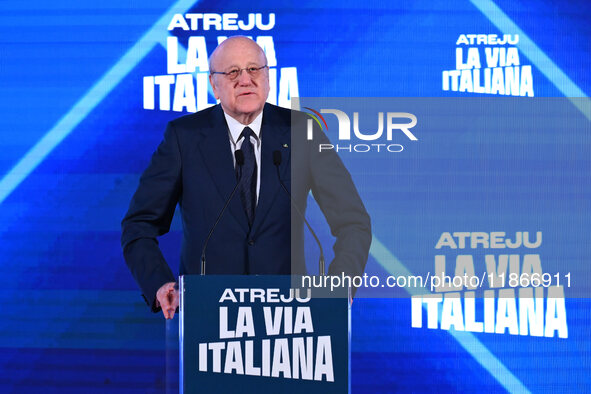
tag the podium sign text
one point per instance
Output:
(254, 334)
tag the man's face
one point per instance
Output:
(244, 97)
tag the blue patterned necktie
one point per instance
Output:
(248, 182)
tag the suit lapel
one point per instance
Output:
(217, 155)
(275, 136)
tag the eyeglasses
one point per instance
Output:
(236, 72)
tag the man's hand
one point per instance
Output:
(168, 298)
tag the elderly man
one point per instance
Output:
(195, 167)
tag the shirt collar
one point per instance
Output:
(236, 127)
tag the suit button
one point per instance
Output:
(251, 242)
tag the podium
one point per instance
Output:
(256, 334)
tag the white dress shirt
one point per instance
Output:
(236, 128)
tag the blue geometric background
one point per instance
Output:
(75, 138)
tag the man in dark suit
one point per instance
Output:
(194, 166)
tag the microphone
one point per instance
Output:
(239, 156)
(277, 163)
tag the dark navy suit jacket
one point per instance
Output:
(193, 167)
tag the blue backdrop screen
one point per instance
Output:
(87, 90)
